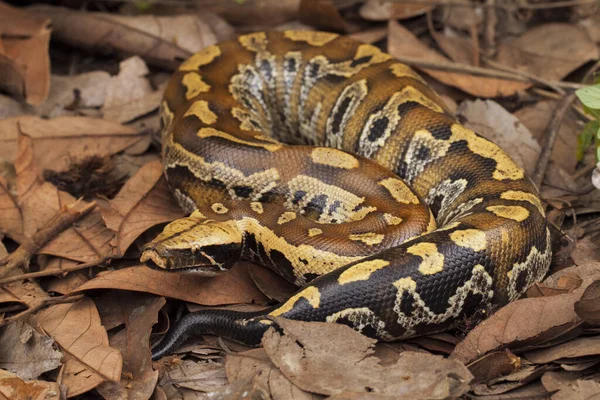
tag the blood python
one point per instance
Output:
(336, 166)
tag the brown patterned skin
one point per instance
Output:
(339, 213)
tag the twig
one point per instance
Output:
(489, 32)
(552, 85)
(59, 222)
(480, 71)
(52, 272)
(556, 96)
(550, 137)
(42, 304)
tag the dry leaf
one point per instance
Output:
(402, 43)
(255, 364)
(513, 324)
(258, 13)
(59, 141)
(232, 287)
(130, 95)
(503, 384)
(584, 346)
(198, 376)
(139, 379)
(323, 14)
(493, 365)
(569, 386)
(10, 107)
(24, 59)
(381, 10)
(588, 307)
(77, 330)
(271, 284)
(144, 201)
(329, 359)
(26, 352)
(548, 51)
(14, 388)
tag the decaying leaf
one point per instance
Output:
(272, 285)
(24, 59)
(140, 313)
(588, 307)
(403, 43)
(255, 364)
(232, 287)
(26, 352)
(144, 201)
(332, 359)
(77, 330)
(579, 347)
(14, 388)
(380, 10)
(203, 377)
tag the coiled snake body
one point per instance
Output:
(329, 212)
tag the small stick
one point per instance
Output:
(59, 222)
(52, 272)
(489, 32)
(42, 304)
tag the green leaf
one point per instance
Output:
(592, 112)
(589, 96)
(590, 131)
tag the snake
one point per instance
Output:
(334, 165)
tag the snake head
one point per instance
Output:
(194, 244)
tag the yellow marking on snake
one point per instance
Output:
(399, 191)
(254, 41)
(197, 215)
(257, 207)
(211, 132)
(312, 38)
(201, 110)
(203, 57)
(286, 217)
(472, 238)
(369, 238)
(377, 56)
(194, 85)
(310, 294)
(516, 213)
(314, 232)
(391, 219)
(403, 70)
(410, 93)
(433, 261)
(432, 224)
(333, 158)
(405, 284)
(219, 208)
(361, 271)
(523, 196)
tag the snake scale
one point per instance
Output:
(337, 167)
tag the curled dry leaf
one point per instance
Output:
(26, 352)
(77, 330)
(144, 201)
(203, 377)
(232, 287)
(59, 141)
(161, 41)
(130, 95)
(507, 383)
(13, 387)
(381, 10)
(331, 359)
(403, 43)
(570, 385)
(580, 347)
(272, 285)
(549, 51)
(588, 307)
(255, 364)
(513, 325)
(139, 379)
(493, 365)
(24, 59)
(324, 15)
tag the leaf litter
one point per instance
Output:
(78, 314)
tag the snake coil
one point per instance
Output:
(336, 166)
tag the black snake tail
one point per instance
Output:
(239, 326)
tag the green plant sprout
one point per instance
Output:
(590, 98)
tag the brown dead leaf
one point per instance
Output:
(144, 201)
(580, 347)
(588, 307)
(14, 388)
(139, 379)
(203, 377)
(570, 386)
(493, 365)
(10, 107)
(271, 284)
(255, 364)
(381, 10)
(130, 95)
(402, 43)
(77, 330)
(323, 15)
(232, 287)
(513, 325)
(26, 352)
(504, 384)
(330, 359)
(58, 141)
(24, 59)
(164, 41)
(258, 13)
(549, 51)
